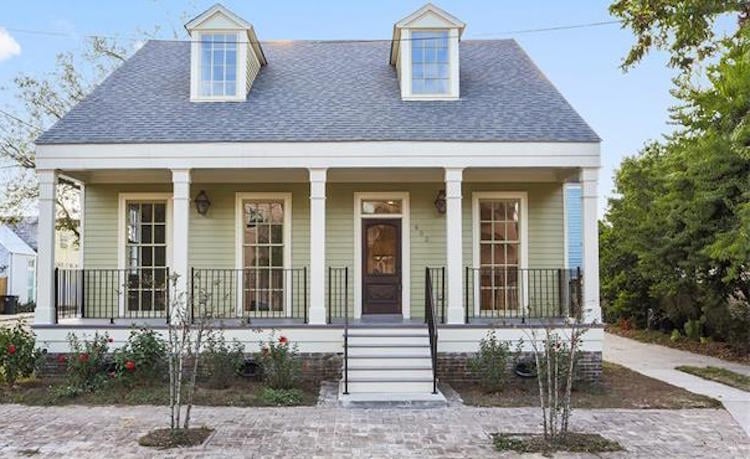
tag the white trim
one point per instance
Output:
(240, 67)
(523, 261)
(405, 246)
(566, 244)
(286, 237)
(122, 199)
(316, 154)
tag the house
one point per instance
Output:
(343, 193)
(17, 267)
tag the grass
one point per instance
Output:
(721, 375)
(710, 348)
(166, 438)
(618, 388)
(573, 442)
(46, 392)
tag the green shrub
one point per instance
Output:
(490, 364)
(280, 397)
(222, 361)
(280, 363)
(86, 364)
(676, 336)
(142, 359)
(693, 329)
(19, 357)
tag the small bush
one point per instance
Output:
(491, 362)
(280, 397)
(86, 365)
(693, 329)
(280, 363)
(675, 336)
(142, 358)
(19, 357)
(222, 361)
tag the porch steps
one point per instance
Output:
(389, 367)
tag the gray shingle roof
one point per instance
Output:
(324, 92)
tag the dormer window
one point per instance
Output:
(430, 64)
(225, 56)
(218, 66)
(424, 51)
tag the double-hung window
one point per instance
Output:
(430, 63)
(218, 65)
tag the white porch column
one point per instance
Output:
(45, 265)
(180, 229)
(453, 249)
(591, 309)
(317, 245)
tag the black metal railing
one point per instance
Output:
(429, 314)
(514, 293)
(437, 279)
(338, 293)
(137, 293)
(249, 293)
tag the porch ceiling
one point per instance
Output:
(335, 175)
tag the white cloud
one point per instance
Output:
(9, 47)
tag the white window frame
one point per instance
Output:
(286, 198)
(453, 60)
(403, 196)
(195, 68)
(123, 199)
(523, 197)
(449, 79)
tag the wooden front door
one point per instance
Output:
(381, 266)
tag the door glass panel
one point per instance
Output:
(499, 254)
(381, 249)
(263, 255)
(146, 252)
(374, 207)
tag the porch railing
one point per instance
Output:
(138, 293)
(514, 293)
(437, 284)
(338, 293)
(250, 293)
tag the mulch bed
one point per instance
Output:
(573, 442)
(167, 438)
(618, 388)
(712, 348)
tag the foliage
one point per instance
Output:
(280, 397)
(490, 364)
(685, 28)
(722, 375)
(19, 357)
(280, 363)
(222, 361)
(693, 329)
(676, 238)
(86, 363)
(142, 358)
(556, 361)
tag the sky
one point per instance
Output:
(625, 109)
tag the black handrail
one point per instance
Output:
(346, 332)
(429, 313)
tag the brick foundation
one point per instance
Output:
(455, 366)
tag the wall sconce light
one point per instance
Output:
(440, 202)
(202, 203)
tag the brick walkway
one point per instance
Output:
(84, 432)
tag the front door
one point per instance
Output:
(381, 266)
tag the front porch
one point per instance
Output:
(322, 246)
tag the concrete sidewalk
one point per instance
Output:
(659, 362)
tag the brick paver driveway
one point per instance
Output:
(83, 432)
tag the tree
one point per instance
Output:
(42, 100)
(685, 28)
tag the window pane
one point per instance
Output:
(392, 206)
(381, 249)
(160, 234)
(146, 213)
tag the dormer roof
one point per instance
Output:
(427, 17)
(219, 17)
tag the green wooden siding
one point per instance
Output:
(213, 243)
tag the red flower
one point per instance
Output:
(283, 339)
(130, 365)
(83, 357)
(11, 349)
(61, 358)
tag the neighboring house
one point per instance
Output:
(573, 226)
(300, 184)
(17, 267)
(67, 254)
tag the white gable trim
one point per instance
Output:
(429, 9)
(217, 9)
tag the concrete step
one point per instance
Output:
(391, 400)
(357, 386)
(392, 361)
(377, 340)
(390, 374)
(388, 350)
(395, 331)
